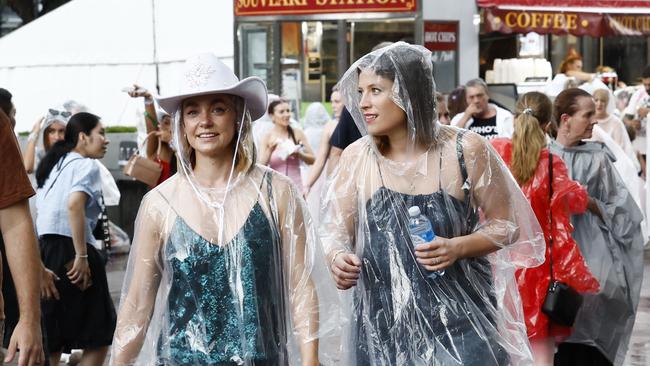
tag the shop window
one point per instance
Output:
(256, 52)
(366, 35)
(587, 47)
(617, 52)
(493, 46)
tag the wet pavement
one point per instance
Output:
(638, 354)
(115, 271)
(639, 351)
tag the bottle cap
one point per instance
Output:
(414, 211)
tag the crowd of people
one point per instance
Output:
(265, 244)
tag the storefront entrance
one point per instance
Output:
(302, 60)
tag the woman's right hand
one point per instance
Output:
(139, 91)
(38, 125)
(345, 269)
(79, 274)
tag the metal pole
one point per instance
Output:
(155, 49)
(352, 43)
(601, 42)
(342, 47)
(323, 87)
(275, 59)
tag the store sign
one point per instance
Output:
(565, 3)
(441, 36)
(629, 25)
(575, 23)
(291, 7)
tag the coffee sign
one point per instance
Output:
(558, 22)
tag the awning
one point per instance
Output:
(596, 18)
(575, 4)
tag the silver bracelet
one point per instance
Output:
(32, 136)
(81, 255)
(148, 101)
(336, 255)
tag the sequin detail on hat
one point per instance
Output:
(198, 75)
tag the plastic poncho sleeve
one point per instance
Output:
(618, 209)
(337, 226)
(298, 251)
(506, 217)
(139, 294)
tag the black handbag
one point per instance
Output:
(562, 302)
(102, 232)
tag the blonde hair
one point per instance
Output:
(603, 94)
(533, 111)
(246, 157)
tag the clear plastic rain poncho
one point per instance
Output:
(399, 314)
(612, 245)
(224, 277)
(316, 117)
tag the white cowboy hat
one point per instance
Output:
(206, 74)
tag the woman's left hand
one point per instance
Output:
(79, 274)
(437, 254)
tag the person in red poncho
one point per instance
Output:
(528, 160)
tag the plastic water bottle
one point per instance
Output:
(421, 232)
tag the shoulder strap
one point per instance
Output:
(268, 177)
(58, 175)
(460, 155)
(550, 211)
(144, 144)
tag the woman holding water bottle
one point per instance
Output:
(468, 313)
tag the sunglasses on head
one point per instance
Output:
(64, 114)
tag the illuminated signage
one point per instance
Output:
(290, 7)
(575, 23)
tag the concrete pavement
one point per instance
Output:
(638, 354)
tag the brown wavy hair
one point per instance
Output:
(532, 115)
(567, 103)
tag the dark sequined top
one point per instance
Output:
(225, 303)
(403, 317)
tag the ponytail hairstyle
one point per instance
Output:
(532, 114)
(271, 110)
(83, 122)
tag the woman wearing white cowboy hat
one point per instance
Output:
(221, 268)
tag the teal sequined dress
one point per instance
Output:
(207, 324)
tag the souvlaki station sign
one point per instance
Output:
(566, 22)
(291, 7)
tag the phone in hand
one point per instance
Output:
(131, 89)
